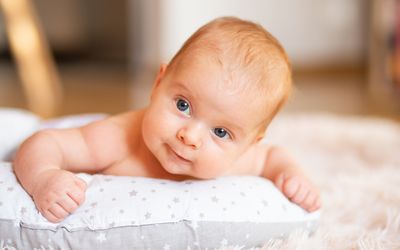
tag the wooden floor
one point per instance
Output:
(113, 89)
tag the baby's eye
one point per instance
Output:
(183, 106)
(221, 133)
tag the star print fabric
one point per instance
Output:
(143, 213)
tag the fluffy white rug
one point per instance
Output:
(356, 163)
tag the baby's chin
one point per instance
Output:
(177, 175)
(204, 175)
(180, 173)
(175, 169)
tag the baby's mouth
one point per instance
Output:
(179, 157)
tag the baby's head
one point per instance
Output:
(216, 97)
(250, 58)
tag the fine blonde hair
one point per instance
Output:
(245, 47)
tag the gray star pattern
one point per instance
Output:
(147, 215)
(23, 210)
(132, 193)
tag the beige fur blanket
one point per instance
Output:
(356, 163)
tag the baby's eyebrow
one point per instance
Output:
(233, 126)
(180, 85)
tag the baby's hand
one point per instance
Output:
(299, 190)
(58, 193)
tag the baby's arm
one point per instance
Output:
(44, 162)
(280, 167)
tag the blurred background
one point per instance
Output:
(107, 53)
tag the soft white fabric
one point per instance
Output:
(114, 201)
(15, 126)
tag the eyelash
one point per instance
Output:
(186, 101)
(226, 131)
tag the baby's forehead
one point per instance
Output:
(253, 87)
(245, 110)
(239, 69)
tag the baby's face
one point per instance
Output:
(196, 124)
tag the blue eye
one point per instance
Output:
(221, 133)
(183, 106)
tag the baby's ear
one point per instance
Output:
(259, 137)
(160, 76)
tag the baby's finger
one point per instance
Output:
(58, 211)
(279, 181)
(310, 200)
(291, 187)
(68, 204)
(77, 195)
(81, 183)
(301, 194)
(316, 205)
(50, 216)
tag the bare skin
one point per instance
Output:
(185, 132)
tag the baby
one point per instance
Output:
(208, 112)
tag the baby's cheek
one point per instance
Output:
(160, 123)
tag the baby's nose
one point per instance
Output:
(190, 136)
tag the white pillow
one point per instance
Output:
(15, 126)
(140, 213)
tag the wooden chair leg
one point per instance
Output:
(34, 61)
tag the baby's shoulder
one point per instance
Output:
(118, 133)
(112, 128)
(126, 125)
(122, 118)
(126, 119)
